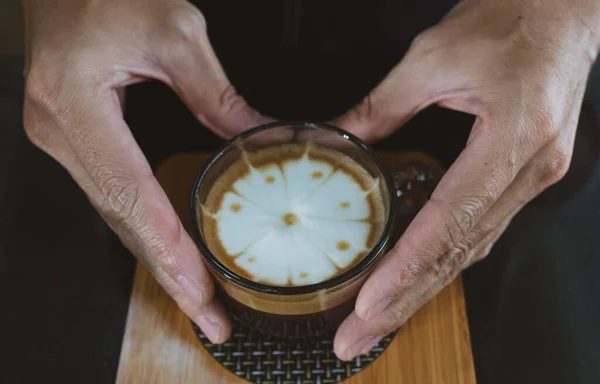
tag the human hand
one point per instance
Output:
(80, 54)
(521, 68)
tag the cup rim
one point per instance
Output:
(374, 254)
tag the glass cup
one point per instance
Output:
(299, 312)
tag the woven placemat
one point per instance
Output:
(265, 360)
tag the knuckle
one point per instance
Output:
(416, 267)
(555, 167)
(40, 101)
(450, 264)
(230, 101)
(460, 221)
(396, 315)
(38, 134)
(187, 22)
(457, 258)
(165, 258)
(425, 40)
(121, 195)
(40, 89)
(160, 249)
(369, 112)
(432, 46)
(482, 254)
(410, 273)
(545, 124)
(365, 111)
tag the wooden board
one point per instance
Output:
(159, 345)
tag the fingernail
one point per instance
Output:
(211, 329)
(362, 346)
(190, 287)
(378, 308)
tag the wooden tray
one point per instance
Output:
(160, 346)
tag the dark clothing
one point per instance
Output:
(533, 304)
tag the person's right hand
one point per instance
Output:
(80, 54)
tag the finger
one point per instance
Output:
(549, 165)
(470, 187)
(194, 72)
(481, 250)
(271, 136)
(421, 79)
(358, 335)
(401, 95)
(209, 319)
(130, 199)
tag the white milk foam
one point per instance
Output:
(297, 223)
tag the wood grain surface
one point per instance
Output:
(160, 346)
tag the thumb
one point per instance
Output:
(415, 83)
(195, 74)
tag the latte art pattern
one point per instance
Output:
(293, 215)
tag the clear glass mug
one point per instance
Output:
(311, 310)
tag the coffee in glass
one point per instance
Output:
(293, 214)
(291, 218)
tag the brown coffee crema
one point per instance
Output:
(248, 202)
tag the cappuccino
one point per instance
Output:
(293, 214)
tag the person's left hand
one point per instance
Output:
(521, 68)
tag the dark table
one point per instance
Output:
(533, 304)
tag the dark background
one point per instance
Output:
(533, 304)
